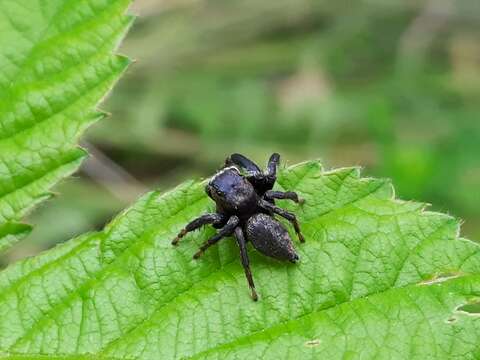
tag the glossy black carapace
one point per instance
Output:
(246, 208)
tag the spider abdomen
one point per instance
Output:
(270, 237)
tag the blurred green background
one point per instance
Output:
(393, 86)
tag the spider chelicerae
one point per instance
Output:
(245, 207)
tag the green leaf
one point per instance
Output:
(378, 278)
(10, 233)
(56, 64)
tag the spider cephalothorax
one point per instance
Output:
(246, 208)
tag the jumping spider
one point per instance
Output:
(246, 208)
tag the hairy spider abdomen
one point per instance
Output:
(270, 237)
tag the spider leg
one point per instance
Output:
(245, 262)
(273, 163)
(285, 214)
(225, 231)
(289, 195)
(214, 218)
(244, 163)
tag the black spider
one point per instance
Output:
(246, 205)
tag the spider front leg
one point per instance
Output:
(288, 195)
(285, 214)
(225, 231)
(272, 165)
(245, 262)
(214, 218)
(244, 163)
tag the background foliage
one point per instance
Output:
(392, 86)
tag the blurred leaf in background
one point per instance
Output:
(392, 86)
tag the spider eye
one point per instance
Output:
(219, 192)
